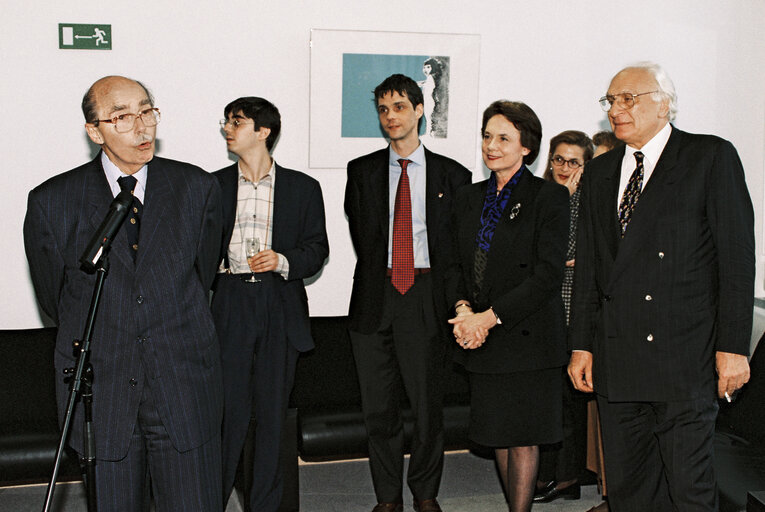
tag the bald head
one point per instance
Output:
(101, 88)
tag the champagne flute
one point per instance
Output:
(252, 247)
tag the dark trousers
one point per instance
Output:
(258, 367)
(659, 455)
(567, 460)
(180, 481)
(407, 348)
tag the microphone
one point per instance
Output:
(102, 239)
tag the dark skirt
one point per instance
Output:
(516, 409)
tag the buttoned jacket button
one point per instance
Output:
(661, 255)
(139, 299)
(133, 382)
(649, 337)
(648, 297)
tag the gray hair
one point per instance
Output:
(666, 87)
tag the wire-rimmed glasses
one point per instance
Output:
(125, 122)
(625, 100)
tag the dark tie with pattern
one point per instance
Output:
(631, 193)
(134, 216)
(402, 276)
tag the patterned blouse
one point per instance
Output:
(568, 277)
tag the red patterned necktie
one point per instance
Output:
(631, 193)
(403, 254)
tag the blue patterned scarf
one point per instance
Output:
(493, 206)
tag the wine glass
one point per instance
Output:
(252, 247)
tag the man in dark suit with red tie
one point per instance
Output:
(157, 392)
(399, 203)
(663, 296)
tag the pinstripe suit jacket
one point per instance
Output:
(654, 306)
(153, 321)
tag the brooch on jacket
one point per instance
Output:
(514, 210)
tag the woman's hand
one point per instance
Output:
(471, 330)
(573, 181)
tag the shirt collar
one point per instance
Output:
(417, 157)
(653, 148)
(271, 174)
(113, 173)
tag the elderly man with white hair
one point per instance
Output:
(663, 296)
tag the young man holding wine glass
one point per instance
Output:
(274, 236)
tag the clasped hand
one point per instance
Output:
(471, 329)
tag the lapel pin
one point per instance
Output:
(515, 210)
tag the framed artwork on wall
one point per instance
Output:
(346, 66)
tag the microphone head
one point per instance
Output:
(122, 200)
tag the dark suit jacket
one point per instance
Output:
(366, 204)
(153, 321)
(654, 306)
(299, 233)
(523, 277)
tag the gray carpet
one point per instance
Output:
(469, 484)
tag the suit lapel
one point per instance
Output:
(282, 205)
(154, 228)
(606, 201)
(518, 212)
(434, 191)
(378, 180)
(229, 188)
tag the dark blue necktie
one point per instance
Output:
(133, 223)
(631, 193)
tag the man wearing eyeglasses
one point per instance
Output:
(274, 237)
(157, 394)
(663, 296)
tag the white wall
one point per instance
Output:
(196, 56)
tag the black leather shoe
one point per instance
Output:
(541, 492)
(427, 506)
(388, 507)
(572, 492)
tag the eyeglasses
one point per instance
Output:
(559, 161)
(626, 100)
(125, 122)
(235, 123)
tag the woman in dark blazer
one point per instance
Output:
(511, 233)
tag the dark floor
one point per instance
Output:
(469, 484)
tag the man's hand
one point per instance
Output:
(580, 370)
(732, 373)
(264, 261)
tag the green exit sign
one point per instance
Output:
(75, 36)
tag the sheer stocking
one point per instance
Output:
(518, 468)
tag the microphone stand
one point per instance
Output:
(81, 381)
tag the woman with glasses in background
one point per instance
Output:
(562, 466)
